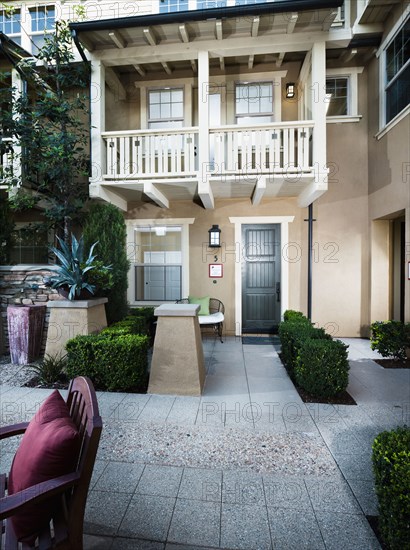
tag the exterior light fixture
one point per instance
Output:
(290, 90)
(214, 237)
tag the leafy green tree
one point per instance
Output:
(6, 231)
(105, 224)
(50, 125)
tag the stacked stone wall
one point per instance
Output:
(25, 286)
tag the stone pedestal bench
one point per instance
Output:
(69, 318)
(178, 359)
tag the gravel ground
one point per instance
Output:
(14, 375)
(200, 446)
(227, 448)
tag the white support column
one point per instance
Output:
(98, 154)
(18, 85)
(319, 105)
(204, 187)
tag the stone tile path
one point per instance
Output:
(245, 466)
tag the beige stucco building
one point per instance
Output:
(241, 115)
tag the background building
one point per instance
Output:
(241, 116)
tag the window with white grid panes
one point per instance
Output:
(42, 20)
(166, 108)
(10, 24)
(167, 6)
(209, 4)
(337, 92)
(397, 75)
(254, 102)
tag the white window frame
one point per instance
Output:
(351, 73)
(209, 4)
(36, 8)
(167, 4)
(271, 114)
(171, 119)
(131, 225)
(384, 126)
(15, 35)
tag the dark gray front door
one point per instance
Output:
(261, 277)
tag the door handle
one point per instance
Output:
(278, 292)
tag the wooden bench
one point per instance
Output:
(215, 319)
(69, 492)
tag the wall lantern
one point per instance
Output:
(290, 90)
(214, 237)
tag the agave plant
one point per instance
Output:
(73, 268)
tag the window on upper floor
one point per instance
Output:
(208, 4)
(166, 108)
(337, 93)
(254, 102)
(166, 6)
(10, 24)
(397, 73)
(246, 2)
(42, 20)
(342, 94)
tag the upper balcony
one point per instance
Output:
(249, 158)
(217, 143)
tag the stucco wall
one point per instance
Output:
(224, 289)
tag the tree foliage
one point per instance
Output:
(105, 224)
(49, 124)
(6, 231)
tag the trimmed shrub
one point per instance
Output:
(105, 224)
(292, 315)
(391, 467)
(80, 357)
(114, 362)
(322, 367)
(292, 335)
(390, 338)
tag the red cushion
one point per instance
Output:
(49, 449)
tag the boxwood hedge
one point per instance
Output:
(114, 361)
(391, 466)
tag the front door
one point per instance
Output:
(261, 293)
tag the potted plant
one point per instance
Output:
(77, 277)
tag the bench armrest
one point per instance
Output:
(11, 504)
(13, 429)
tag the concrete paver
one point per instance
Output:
(154, 505)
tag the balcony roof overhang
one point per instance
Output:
(275, 7)
(280, 26)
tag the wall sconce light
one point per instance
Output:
(214, 237)
(290, 90)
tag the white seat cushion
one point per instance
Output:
(211, 319)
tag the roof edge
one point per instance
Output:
(281, 6)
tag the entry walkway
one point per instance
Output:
(247, 465)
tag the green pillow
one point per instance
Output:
(203, 302)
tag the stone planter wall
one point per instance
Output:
(23, 284)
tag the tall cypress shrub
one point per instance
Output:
(104, 223)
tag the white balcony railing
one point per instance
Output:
(265, 148)
(151, 153)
